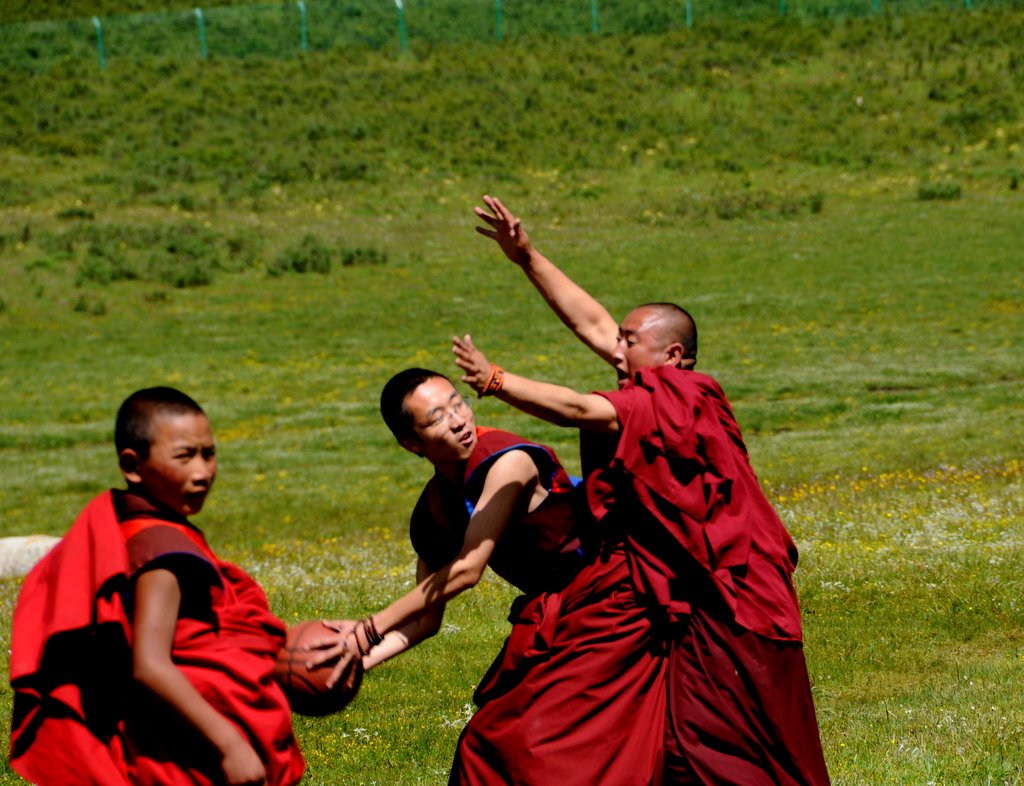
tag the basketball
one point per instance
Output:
(307, 689)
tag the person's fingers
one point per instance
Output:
(339, 669)
(487, 232)
(506, 214)
(483, 215)
(320, 656)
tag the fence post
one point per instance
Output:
(99, 42)
(403, 42)
(876, 6)
(201, 24)
(689, 14)
(499, 26)
(593, 16)
(303, 28)
(782, 7)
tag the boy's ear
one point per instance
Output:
(129, 462)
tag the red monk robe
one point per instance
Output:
(79, 718)
(576, 696)
(709, 549)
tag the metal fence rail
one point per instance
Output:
(289, 28)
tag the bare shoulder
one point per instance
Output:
(512, 466)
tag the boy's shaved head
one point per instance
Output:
(134, 426)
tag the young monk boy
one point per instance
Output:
(137, 656)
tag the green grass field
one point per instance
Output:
(837, 205)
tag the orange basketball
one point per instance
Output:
(307, 689)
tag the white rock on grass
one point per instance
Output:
(19, 554)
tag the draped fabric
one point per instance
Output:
(708, 550)
(79, 718)
(682, 471)
(576, 697)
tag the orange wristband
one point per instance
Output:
(494, 381)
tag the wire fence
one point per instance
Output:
(288, 29)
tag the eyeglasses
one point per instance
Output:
(459, 408)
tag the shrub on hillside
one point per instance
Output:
(362, 256)
(308, 255)
(103, 265)
(938, 190)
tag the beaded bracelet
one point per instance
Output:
(494, 381)
(370, 629)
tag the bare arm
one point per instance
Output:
(157, 599)
(553, 403)
(580, 312)
(409, 634)
(510, 483)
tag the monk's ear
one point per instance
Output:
(129, 461)
(674, 356)
(412, 444)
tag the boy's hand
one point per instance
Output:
(241, 765)
(472, 361)
(506, 230)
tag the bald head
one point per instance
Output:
(673, 325)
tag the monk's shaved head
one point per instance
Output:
(675, 325)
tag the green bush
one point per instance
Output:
(77, 212)
(938, 190)
(362, 256)
(103, 265)
(309, 255)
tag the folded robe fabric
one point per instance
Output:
(708, 547)
(79, 718)
(681, 470)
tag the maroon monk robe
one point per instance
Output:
(576, 697)
(709, 549)
(80, 719)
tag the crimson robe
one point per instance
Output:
(79, 718)
(576, 696)
(709, 550)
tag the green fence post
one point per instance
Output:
(499, 26)
(593, 16)
(403, 41)
(99, 41)
(782, 7)
(303, 27)
(689, 14)
(201, 24)
(876, 6)
(967, 4)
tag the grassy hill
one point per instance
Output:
(837, 203)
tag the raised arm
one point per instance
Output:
(580, 312)
(553, 403)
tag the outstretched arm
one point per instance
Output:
(580, 312)
(404, 637)
(553, 403)
(509, 485)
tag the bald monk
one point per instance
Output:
(706, 547)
